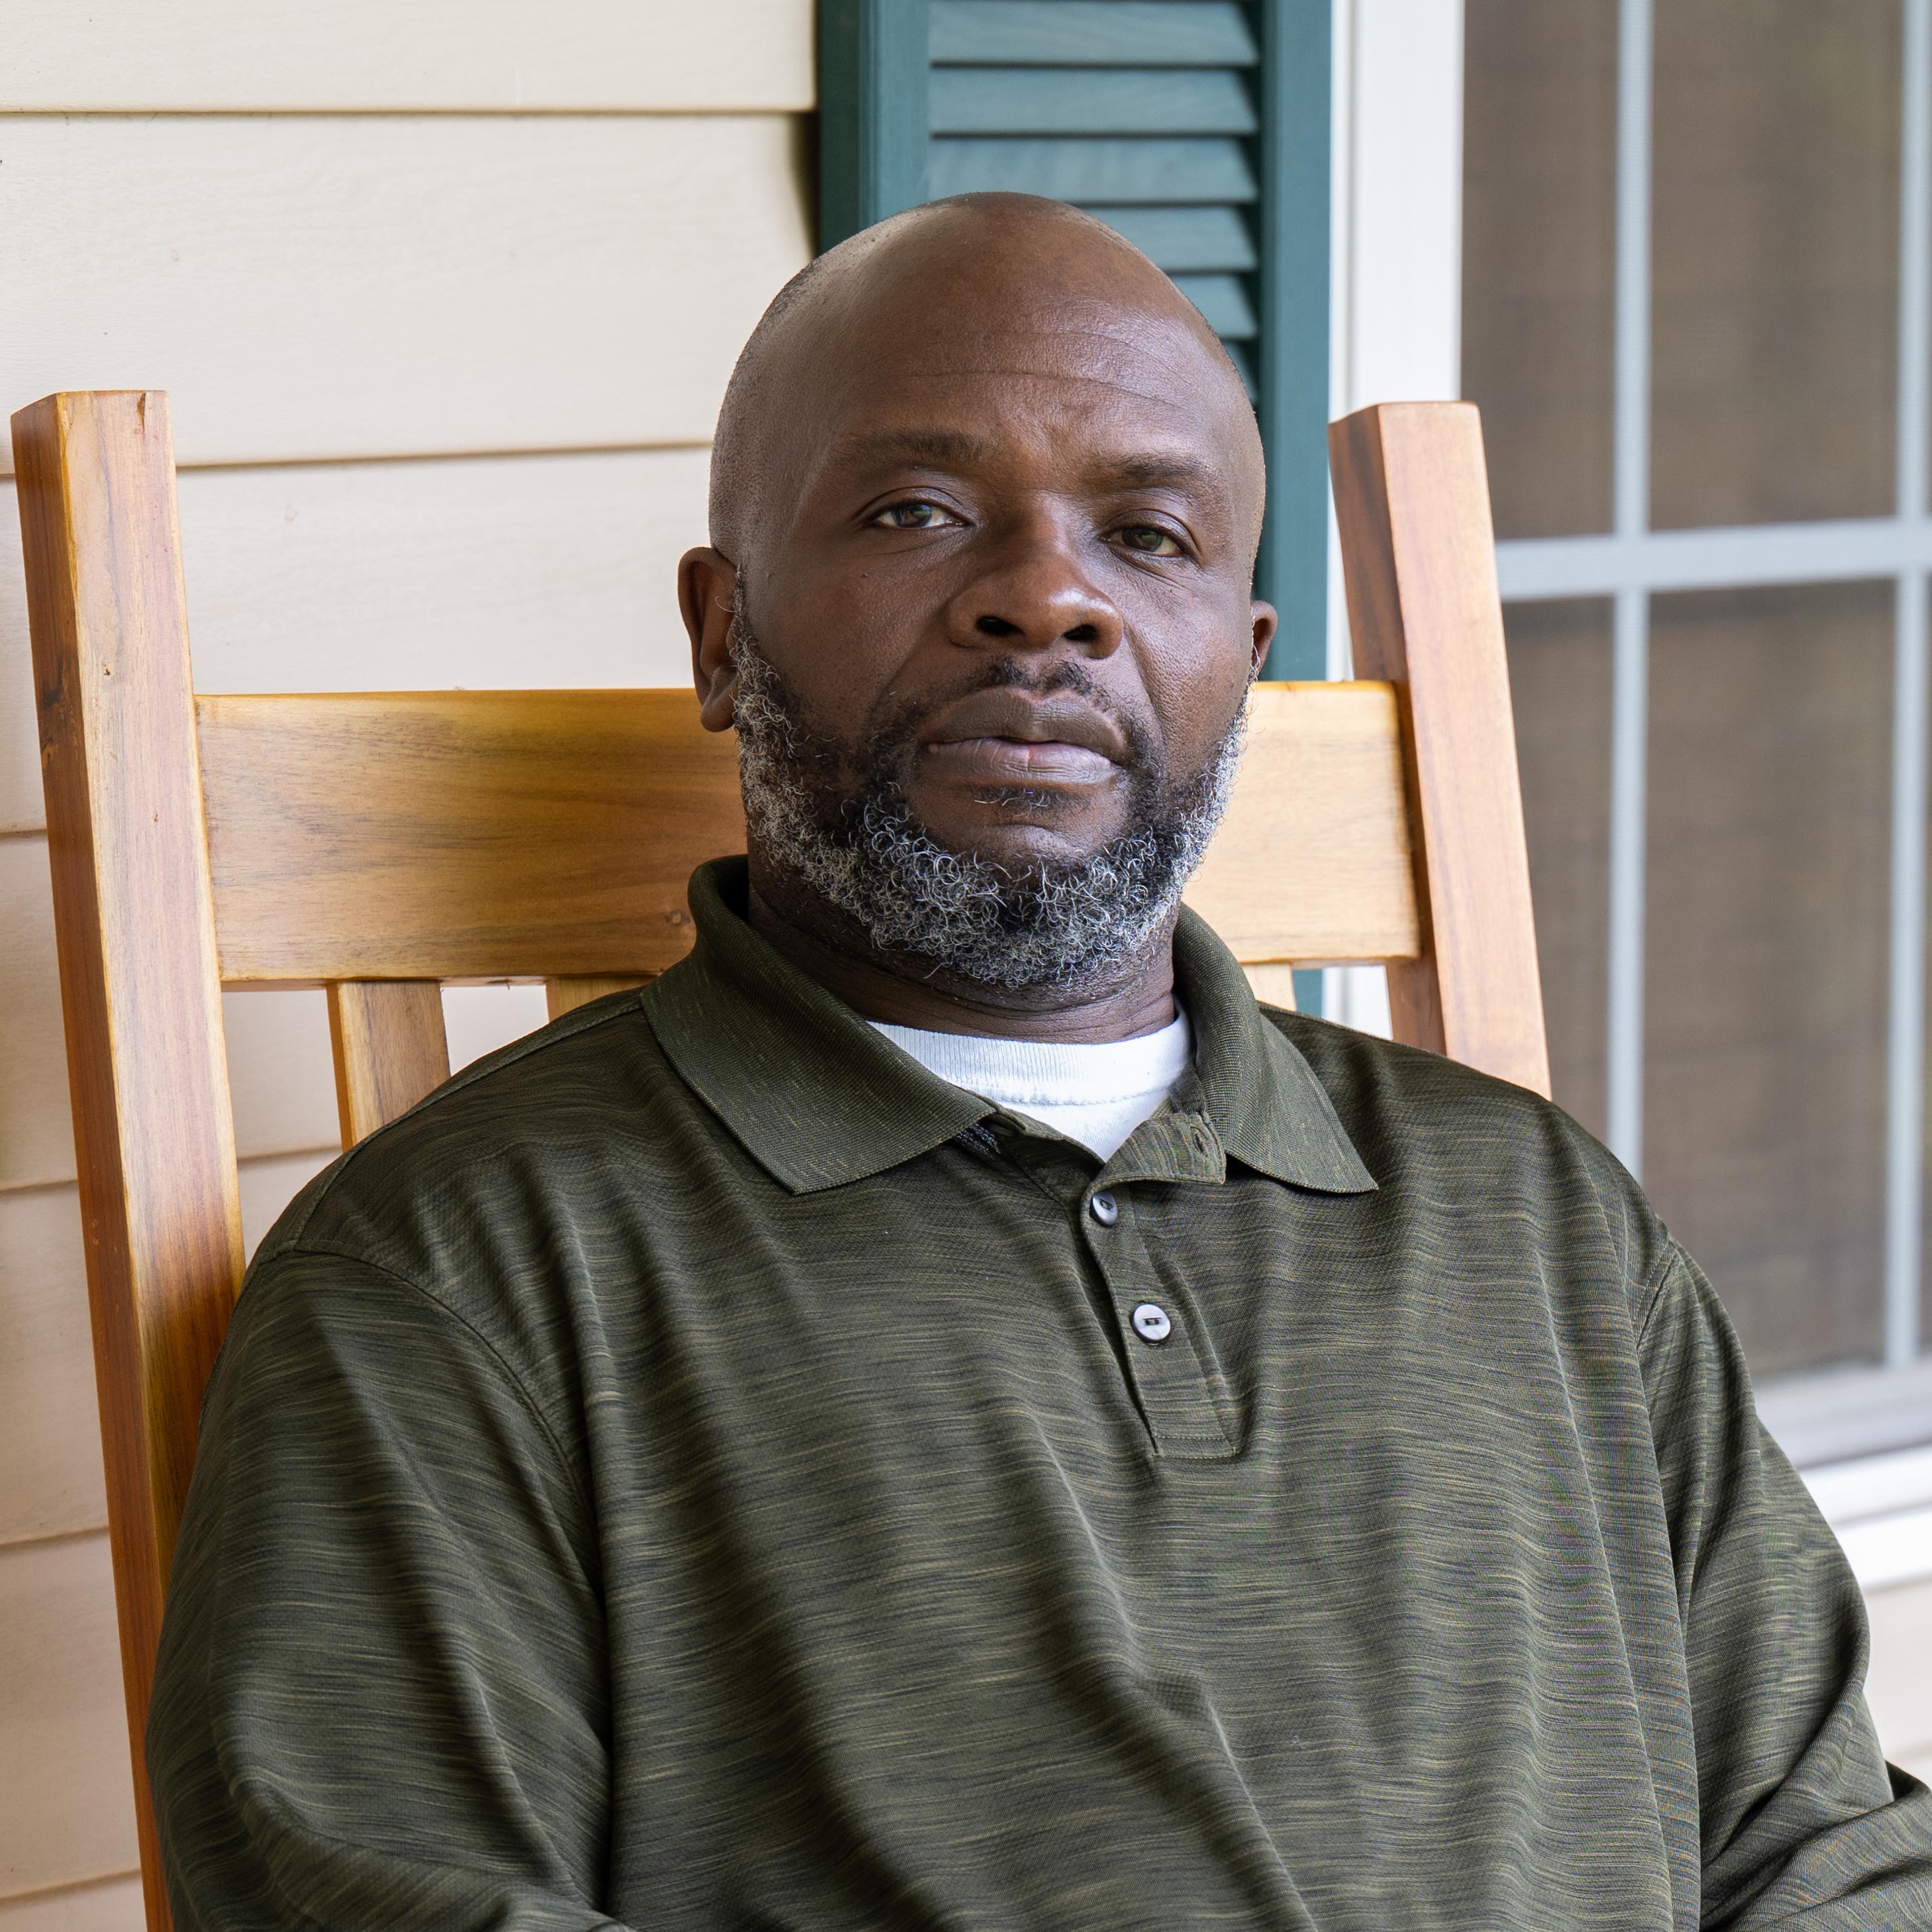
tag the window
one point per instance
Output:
(1695, 251)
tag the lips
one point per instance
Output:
(1008, 737)
(1014, 761)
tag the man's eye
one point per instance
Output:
(913, 516)
(1150, 540)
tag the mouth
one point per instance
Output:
(1009, 738)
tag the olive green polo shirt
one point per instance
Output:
(698, 1471)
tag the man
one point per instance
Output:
(943, 1413)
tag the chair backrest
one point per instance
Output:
(381, 845)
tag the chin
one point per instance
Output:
(1021, 847)
(1025, 827)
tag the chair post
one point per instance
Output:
(1418, 553)
(133, 922)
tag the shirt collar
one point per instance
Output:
(817, 1098)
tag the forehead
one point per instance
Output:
(1080, 384)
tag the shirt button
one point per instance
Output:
(1105, 1209)
(1151, 1322)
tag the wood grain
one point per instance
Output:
(363, 56)
(1311, 863)
(493, 835)
(460, 835)
(1274, 986)
(566, 995)
(278, 1055)
(134, 926)
(390, 1049)
(379, 844)
(317, 287)
(1418, 553)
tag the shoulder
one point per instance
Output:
(1441, 1137)
(476, 1163)
(450, 1251)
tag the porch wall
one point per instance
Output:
(445, 296)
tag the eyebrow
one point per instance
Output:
(1152, 472)
(943, 447)
(948, 448)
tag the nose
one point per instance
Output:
(1033, 595)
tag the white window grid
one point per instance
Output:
(1632, 563)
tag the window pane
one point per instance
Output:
(1766, 933)
(1775, 260)
(1559, 661)
(1539, 256)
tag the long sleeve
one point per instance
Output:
(381, 1696)
(1802, 1821)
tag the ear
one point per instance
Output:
(1266, 621)
(707, 580)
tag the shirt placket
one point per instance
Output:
(1165, 1359)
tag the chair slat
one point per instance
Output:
(550, 834)
(1412, 503)
(390, 1049)
(1274, 986)
(566, 995)
(454, 835)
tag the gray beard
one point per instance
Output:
(1063, 926)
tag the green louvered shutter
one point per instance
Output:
(1198, 128)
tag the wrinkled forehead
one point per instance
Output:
(1080, 380)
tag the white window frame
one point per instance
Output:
(1396, 305)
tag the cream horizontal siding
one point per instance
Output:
(108, 1905)
(67, 1809)
(311, 286)
(364, 55)
(50, 1437)
(445, 297)
(1900, 1684)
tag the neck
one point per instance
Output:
(827, 946)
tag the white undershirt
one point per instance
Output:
(1096, 1095)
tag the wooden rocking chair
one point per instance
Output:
(382, 846)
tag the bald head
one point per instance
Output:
(994, 285)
